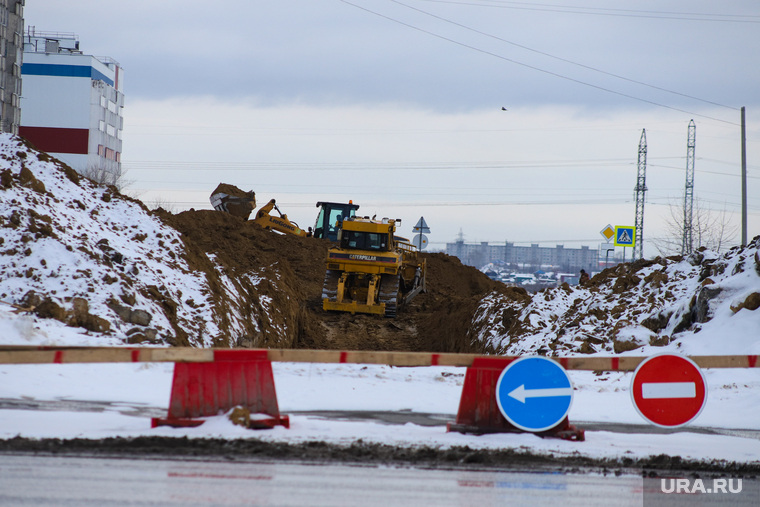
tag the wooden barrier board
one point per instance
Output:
(12, 354)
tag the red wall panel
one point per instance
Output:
(57, 140)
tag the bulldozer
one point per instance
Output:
(371, 270)
(231, 199)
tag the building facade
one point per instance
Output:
(531, 258)
(72, 104)
(11, 54)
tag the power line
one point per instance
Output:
(588, 67)
(375, 166)
(533, 67)
(601, 11)
(702, 171)
(439, 204)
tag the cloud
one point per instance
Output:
(525, 175)
(401, 111)
(442, 56)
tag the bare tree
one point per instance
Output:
(103, 176)
(163, 203)
(710, 228)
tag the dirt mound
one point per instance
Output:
(633, 306)
(92, 258)
(435, 321)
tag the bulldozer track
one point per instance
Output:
(389, 286)
(330, 285)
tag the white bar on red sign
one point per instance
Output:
(663, 390)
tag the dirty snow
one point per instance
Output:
(110, 248)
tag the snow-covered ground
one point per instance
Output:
(70, 240)
(130, 389)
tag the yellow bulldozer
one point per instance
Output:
(231, 199)
(371, 270)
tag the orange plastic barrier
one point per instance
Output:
(479, 411)
(236, 378)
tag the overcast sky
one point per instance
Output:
(398, 106)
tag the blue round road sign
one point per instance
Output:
(534, 393)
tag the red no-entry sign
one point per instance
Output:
(668, 390)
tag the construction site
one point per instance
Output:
(95, 259)
(90, 271)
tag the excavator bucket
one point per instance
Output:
(234, 201)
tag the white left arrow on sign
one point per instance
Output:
(520, 394)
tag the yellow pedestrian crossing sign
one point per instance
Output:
(625, 235)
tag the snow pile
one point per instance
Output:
(100, 262)
(93, 259)
(703, 304)
(84, 265)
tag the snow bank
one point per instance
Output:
(704, 304)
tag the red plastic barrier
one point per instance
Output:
(235, 378)
(479, 411)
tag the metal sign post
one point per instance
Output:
(607, 233)
(421, 228)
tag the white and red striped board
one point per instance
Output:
(13, 354)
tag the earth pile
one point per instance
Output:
(98, 260)
(629, 307)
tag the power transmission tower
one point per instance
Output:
(639, 192)
(687, 244)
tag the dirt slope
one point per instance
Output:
(92, 258)
(435, 321)
(99, 261)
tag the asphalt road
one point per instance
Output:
(90, 481)
(47, 473)
(396, 417)
(64, 481)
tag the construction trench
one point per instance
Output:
(435, 321)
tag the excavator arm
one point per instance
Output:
(231, 199)
(278, 223)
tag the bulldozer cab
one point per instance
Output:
(360, 240)
(330, 218)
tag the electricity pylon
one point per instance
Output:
(687, 243)
(640, 194)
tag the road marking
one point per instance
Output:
(520, 394)
(667, 390)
